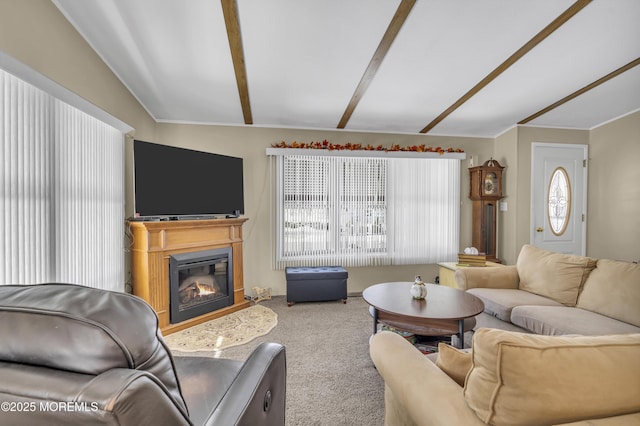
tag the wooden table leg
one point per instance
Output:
(375, 320)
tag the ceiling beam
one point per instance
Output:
(230, 11)
(583, 90)
(543, 34)
(385, 44)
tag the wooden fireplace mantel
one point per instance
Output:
(153, 243)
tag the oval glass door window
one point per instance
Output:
(559, 201)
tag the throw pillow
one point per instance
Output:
(557, 276)
(454, 362)
(526, 379)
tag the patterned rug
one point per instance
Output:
(234, 329)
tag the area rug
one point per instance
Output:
(234, 329)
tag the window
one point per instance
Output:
(61, 191)
(364, 211)
(559, 203)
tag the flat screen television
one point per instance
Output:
(176, 182)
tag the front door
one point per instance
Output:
(559, 197)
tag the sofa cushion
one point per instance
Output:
(526, 379)
(558, 320)
(455, 362)
(613, 289)
(554, 275)
(484, 320)
(499, 302)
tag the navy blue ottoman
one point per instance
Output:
(316, 284)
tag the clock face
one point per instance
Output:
(490, 185)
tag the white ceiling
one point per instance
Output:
(304, 61)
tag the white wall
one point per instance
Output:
(613, 212)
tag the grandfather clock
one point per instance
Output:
(485, 191)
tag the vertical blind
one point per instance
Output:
(364, 211)
(305, 209)
(26, 210)
(424, 200)
(62, 192)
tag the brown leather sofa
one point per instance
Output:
(74, 355)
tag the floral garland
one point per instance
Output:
(325, 144)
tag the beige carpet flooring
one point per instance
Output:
(330, 377)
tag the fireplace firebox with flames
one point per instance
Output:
(200, 282)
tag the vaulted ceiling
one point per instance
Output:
(441, 67)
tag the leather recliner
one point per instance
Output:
(74, 355)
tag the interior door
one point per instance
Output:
(559, 197)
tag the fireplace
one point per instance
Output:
(200, 282)
(154, 243)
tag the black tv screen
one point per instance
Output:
(172, 181)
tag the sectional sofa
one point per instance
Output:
(558, 344)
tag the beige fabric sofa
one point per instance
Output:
(512, 378)
(557, 294)
(570, 353)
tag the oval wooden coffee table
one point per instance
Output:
(445, 311)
